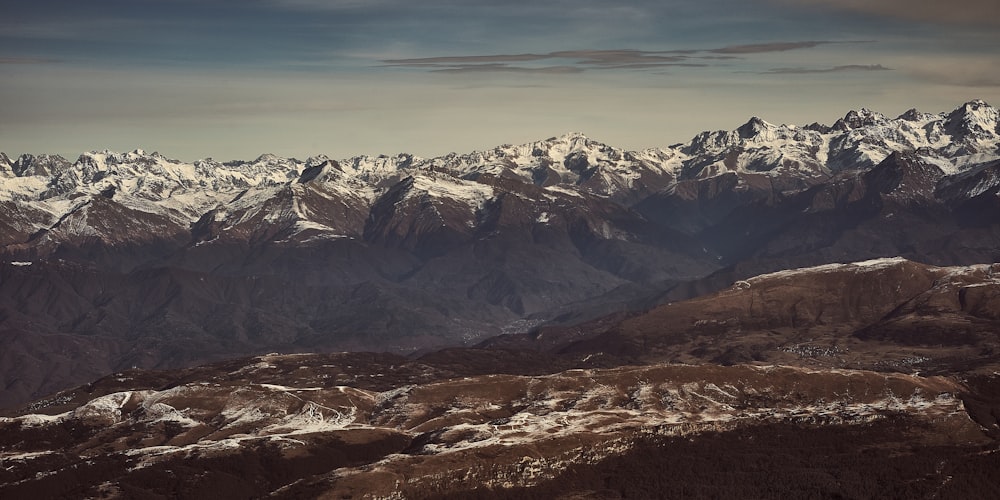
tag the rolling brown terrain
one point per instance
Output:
(863, 380)
(365, 426)
(868, 315)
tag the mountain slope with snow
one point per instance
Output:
(955, 142)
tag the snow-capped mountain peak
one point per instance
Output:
(572, 141)
(975, 120)
(753, 128)
(316, 161)
(6, 166)
(863, 117)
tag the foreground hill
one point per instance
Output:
(869, 379)
(883, 314)
(355, 425)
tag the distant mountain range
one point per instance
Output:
(118, 260)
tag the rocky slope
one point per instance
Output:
(885, 314)
(351, 425)
(133, 259)
(874, 378)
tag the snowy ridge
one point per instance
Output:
(947, 281)
(861, 139)
(438, 186)
(862, 266)
(957, 142)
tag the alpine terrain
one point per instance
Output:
(772, 311)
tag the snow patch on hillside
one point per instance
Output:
(862, 266)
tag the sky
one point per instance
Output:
(232, 79)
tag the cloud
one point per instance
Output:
(574, 61)
(496, 67)
(965, 12)
(835, 69)
(618, 57)
(580, 57)
(653, 66)
(756, 48)
(759, 48)
(495, 58)
(579, 61)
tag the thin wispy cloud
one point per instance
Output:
(574, 61)
(835, 69)
(761, 48)
(616, 57)
(641, 66)
(496, 67)
(571, 61)
(758, 48)
(493, 58)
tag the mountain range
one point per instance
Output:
(121, 260)
(768, 312)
